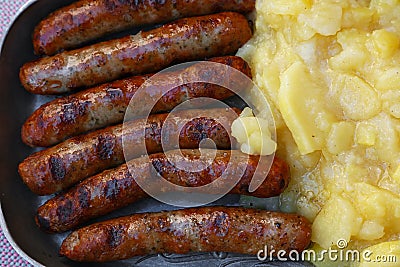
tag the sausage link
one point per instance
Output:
(86, 20)
(114, 189)
(183, 40)
(57, 168)
(106, 104)
(207, 229)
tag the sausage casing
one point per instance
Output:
(227, 229)
(113, 189)
(57, 168)
(86, 20)
(180, 41)
(106, 104)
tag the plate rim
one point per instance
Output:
(3, 224)
(14, 245)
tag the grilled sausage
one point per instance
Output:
(87, 20)
(57, 168)
(183, 40)
(227, 229)
(106, 104)
(114, 189)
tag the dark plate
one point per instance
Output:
(18, 204)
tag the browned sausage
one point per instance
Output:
(86, 20)
(57, 168)
(106, 104)
(227, 229)
(183, 40)
(113, 189)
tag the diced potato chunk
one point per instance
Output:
(253, 134)
(394, 110)
(340, 137)
(396, 173)
(378, 205)
(386, 43)
(365, 134)
(324, 19)
(354, 172)
(349, 59)
(352, 91)
(354, 54)
(389, 80)
(258, 145)
(358, 17)
(286, 7)
(337, 220)
(247, 112)
(387, 144)
(370, 201)
(371, 230)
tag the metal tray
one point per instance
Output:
(18, 204)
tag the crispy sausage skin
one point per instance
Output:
(183, 40)
(57, 168)
(113, 189)
(87, 20)
(228, 229)
(106, 104)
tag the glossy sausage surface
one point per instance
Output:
(106, 104)
(180, 41)
(85, 20)
(226, 229)
(113, 189)
(57, 168)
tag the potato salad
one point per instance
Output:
(331, 72)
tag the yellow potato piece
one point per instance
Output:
(351, 91)
(324, 19)
(286, 7)
(300, 103)
(389, 80)
(340, 137)
(337, 220)
(386, 43)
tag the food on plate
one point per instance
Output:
(330, 70)
(229, 229)
(113, 189)
(253, 134)
(182, 40)
(86, 20)
(106, 104)
(58, 167)
(142, 149)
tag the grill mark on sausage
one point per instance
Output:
(115, 236)
(83, 197)
(105, 146)
(220, 224)
(57, 168)
(65, 209)
(73, 109)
